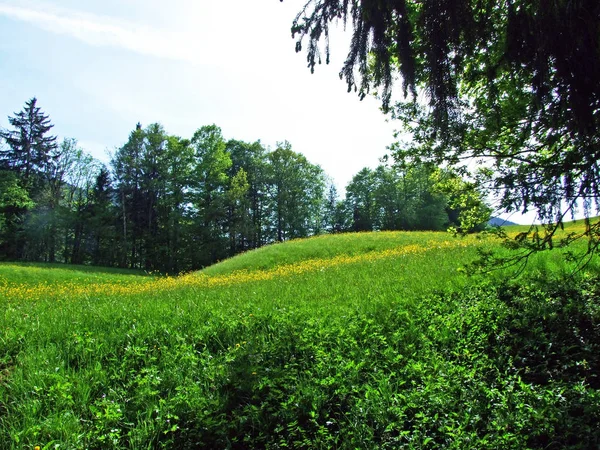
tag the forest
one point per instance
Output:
(172, 204)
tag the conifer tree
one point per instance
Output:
(102, 221)
(29, 145)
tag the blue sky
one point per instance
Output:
(99, 67)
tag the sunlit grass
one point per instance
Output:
(33, 274)
(35, 282)
(304, 256)
(333, 332)
(329, 246)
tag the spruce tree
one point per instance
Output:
(102, 220)
(29, 145)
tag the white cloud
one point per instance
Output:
(226, 62)
(97, 30)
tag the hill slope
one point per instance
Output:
(352, 341)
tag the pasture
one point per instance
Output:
(371, 340)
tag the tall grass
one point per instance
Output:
(349, 341)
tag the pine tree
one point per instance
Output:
(30, 146)
(102, 220)
(29, 150)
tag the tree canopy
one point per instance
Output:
(514, 84)
(173, 204)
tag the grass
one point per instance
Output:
(327, 246)
(374, 340)
(36, 273)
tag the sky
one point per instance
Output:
(98, 67)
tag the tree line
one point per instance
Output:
(515, 84)
(173, 204)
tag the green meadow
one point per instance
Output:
(350, 341)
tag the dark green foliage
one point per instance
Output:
(551, 48)
(488, 368)
(30, 147)
(169, 204)
(136, 167)
(249, 213)
(416, 197)
(14, 202)
(30, 152)
(381, 30)
(185, 204)
(534, 346)
(336, 216)
(297, 192)
(513, 85)
(361, 202)
(209, 183)
(101, 220)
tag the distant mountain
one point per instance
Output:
(498, 222)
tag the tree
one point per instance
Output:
(28, 154)
(61, 202)
(336, 218)
(252, 158)
(142, 169)
(360, 199)
(514, 84)
(127, 167)
(466, 207)
(238, 210)
(14, 199)
(154, 168)
(29, 145)
(102, 225)
(297, 194)
(419, 197)
(80, 183)
(422, 205)
(210, 185)
(173, 206)
(55, 228)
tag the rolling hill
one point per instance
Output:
(372, 340)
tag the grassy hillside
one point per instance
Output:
(372, 340)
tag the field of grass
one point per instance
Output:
(373, 340)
